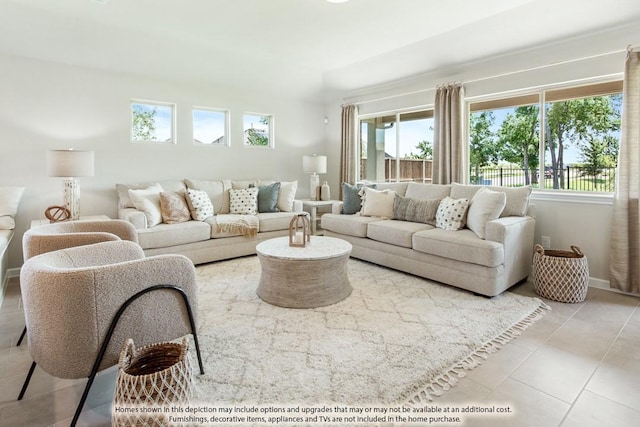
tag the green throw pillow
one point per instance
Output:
(268, 197)
(351, 201)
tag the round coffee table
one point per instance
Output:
(309, 277)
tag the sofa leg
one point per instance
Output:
(24, 332)
(26, 381)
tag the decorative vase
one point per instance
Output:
(325, 191)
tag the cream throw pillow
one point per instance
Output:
(287, 195)
(148, 201)
(485, 206)
(9, 201)
(378, 203)
(451, 213)
(199, 204)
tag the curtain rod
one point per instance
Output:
(353, 100)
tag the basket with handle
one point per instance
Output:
(560, 275)
(150, 379)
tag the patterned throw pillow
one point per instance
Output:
(199, 204)
(244, 201)
(174, 207)
(451, 213)
(408, 209)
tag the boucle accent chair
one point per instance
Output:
(73, 299)
(62, 235)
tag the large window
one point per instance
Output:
(396, 147)
(576, 150)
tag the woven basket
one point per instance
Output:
(560, 275)
(150, 379)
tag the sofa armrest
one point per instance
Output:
(134, 216)
(297, 206)
(516, 233)
(336, 208)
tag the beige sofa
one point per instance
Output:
(205, 240)
(486, 261)
(9, 201)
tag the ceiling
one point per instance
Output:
(300, 48)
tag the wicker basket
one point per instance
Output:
(560, 275)
(153, 377)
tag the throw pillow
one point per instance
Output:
(9, 201)
(378, 203)
(517, 200)
(287, 196)
(451, 213)
(268, 197)
(148, 201)
(244, 201)
(351, 200)
(174, 208)
(200, 204)
(485, 206)
(408, 209)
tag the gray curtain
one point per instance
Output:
(348, 155)
(624, 265)
(449, 150)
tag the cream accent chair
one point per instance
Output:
(82, 303)
(62, 235)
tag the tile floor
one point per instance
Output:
(578, 366)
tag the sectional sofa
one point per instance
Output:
(9, 201)
(404, 226)
(210, 237)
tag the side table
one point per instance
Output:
(312, 206)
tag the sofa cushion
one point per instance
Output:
(174, 207)
(352, 201)
(399, 187)
(462, 245)
(427, 191)
(218, 192)
(462, 191)
(451, 213)
(287, 196)
(165, 235)
(517, 200)
(351, 225)
(268, 197)
(408, 209)
(378, 203)
(398, 233)
(275, 221)
(123, 190)
(485, 206)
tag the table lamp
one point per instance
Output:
(70, 164)
(314, 165)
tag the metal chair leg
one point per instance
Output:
(24, 332)
(112, 327)
(26, 381)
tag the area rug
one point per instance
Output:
(397, 340)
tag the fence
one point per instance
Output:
(573, 178)
(416, 170)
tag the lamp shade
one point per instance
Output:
(69, 163)
(314, 164)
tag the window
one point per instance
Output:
(397, 147)
(152, 122)
(210, 127)
(258, 130)
(576, 151)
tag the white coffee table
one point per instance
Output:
(309, 277)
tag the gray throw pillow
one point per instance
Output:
(351, 201)
(408, 209)
(268, 197)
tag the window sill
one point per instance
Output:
(573, 197)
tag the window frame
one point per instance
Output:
(172, 121)
(270, 133)
(572, 88)
(227, 127)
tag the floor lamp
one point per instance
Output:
(70, 164)
(314, 165)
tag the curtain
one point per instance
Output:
(624, 263)
(349, 150)
(449, 150)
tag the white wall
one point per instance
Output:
(45, 105)
(582, 222)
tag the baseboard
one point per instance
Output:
(13, 272)
(605, 285)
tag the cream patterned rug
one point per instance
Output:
(397, 339)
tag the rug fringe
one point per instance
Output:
(421, 395)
